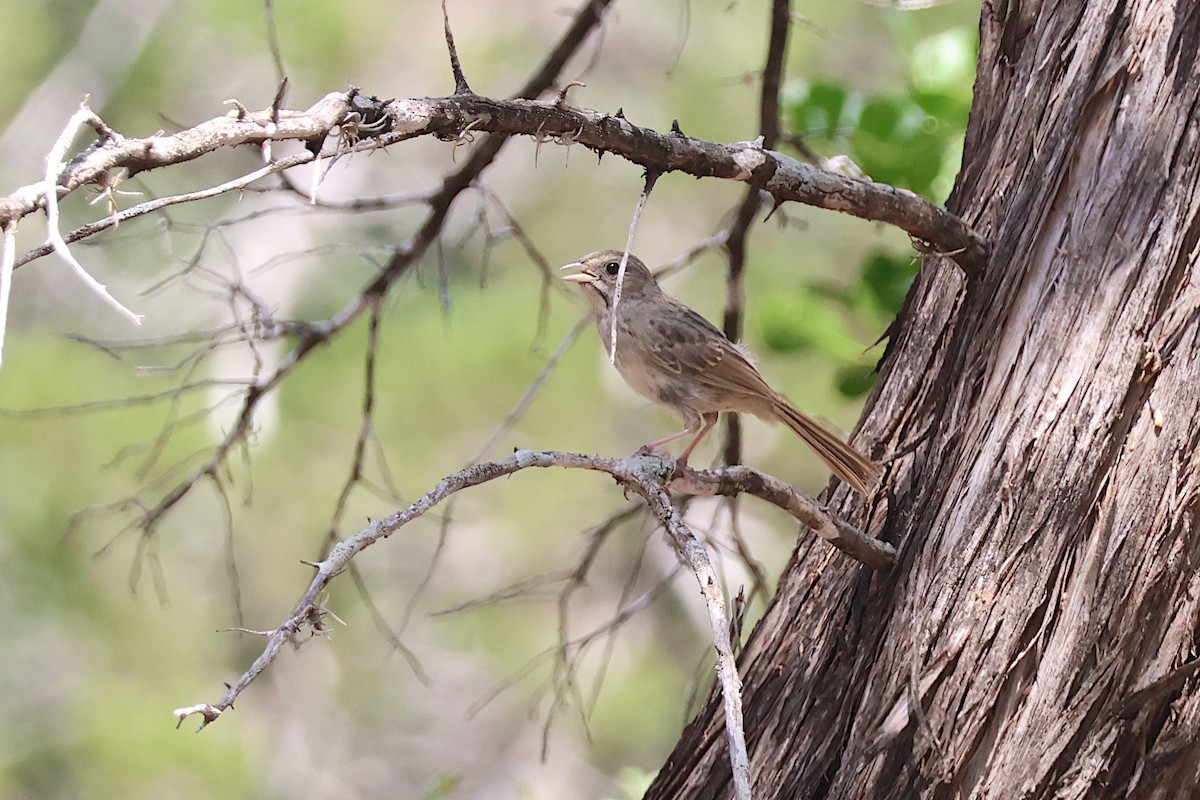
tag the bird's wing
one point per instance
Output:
(679, 339)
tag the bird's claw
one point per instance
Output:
(681, 467)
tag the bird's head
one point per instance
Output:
(597, 275)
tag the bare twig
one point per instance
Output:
(273, 40)
(651, 177)
(356, 476)
(231, 568)
(518, 411)
(119, 402)
(8, 255)
(159, 203)
(693, 252)
(129, 156)
(55, 163)
(697, 559)
(570, 652)
(517, 231)
(576, 645)
(587, 18)
(758, 574)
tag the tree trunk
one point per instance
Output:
(1040, 420)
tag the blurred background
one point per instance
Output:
(107, 631)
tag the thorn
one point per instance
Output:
(242, 111)
(676, 130)
(620, 113)
(460, 80)
(776, 204)
(277, 102)
(651, 179)
(562, 95)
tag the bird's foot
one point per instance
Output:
(681, 466)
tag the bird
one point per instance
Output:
(673, 356)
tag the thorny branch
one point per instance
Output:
(357, 476)
(781, 176)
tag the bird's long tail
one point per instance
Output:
(846, 462)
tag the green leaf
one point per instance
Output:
(949, 110)
(855, 380)
(802, 322)
(886, 278)
(945, 61)
(925, 153)
(880, 118)
(819, 109)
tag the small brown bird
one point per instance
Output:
(673, 356)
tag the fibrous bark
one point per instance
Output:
(1037, 637)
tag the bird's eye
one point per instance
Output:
(612, 268)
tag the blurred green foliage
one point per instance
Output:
(817, 316)
(909, 137)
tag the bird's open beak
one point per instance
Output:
(577, 277)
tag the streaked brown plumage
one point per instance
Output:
(673, 356)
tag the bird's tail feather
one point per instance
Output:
(846, 462)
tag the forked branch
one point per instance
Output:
(649, 476)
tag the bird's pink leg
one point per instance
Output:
(710, 419)
(650, 447)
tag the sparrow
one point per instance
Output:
(673, 356)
